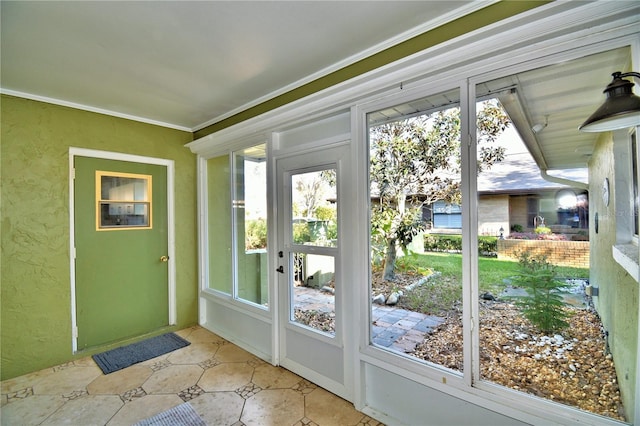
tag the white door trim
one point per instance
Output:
(108, 155)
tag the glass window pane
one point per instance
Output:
(124, 200)
(539, 332)
(219, 223)
(414, 173)
(314, 208)
(312, 291)
(250, 224)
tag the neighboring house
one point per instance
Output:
(542, 58)
(513, 194)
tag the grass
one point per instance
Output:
(444, 292)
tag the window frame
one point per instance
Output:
(624, 195)
(100, 202)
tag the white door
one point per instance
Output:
(310, 279)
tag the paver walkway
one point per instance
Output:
(392, 327)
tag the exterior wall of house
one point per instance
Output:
(518, 209)
(617, 303)
(36, 308)
(493, 214)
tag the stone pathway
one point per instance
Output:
(392, 327)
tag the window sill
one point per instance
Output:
(627, 256)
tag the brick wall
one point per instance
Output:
(561, 253)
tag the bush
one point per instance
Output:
(543, 230)
(255, 234)
(543, 305)
(517, 228)
(453, 243)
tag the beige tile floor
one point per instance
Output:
(225, 385)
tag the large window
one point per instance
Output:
(415, 159)
(536, 324)
(237, 225)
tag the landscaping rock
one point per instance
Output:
(380, 299)
(393, 298)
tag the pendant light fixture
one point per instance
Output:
(620, 110)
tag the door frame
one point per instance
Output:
(118, 156)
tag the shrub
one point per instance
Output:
(453, 243)
(543, 230)
(543, 305)
(517, 228)
(255, 234)
(487, 244)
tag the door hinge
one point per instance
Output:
(74, 253)
(74, 332)
(73, 173)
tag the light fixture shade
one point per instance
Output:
(620, 110)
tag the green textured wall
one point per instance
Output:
(35, 277)
(617, 304)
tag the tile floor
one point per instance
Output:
(225, 385)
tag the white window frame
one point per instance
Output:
(625, 251)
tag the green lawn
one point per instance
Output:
(445, 292)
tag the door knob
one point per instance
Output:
(280, 269)
(164, 258)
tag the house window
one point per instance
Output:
(123, 201)
(447, 215)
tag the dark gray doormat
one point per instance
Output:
(125, 356)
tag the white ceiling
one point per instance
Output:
(188, 64)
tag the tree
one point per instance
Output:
(416, 161)
(310, 190)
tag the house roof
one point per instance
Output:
(519, 173)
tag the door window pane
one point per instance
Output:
(313, 291)
(314, 208)
(415, 176)
(250, 224)
(124, 200)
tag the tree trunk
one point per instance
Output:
(390, 260)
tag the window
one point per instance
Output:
(537, 326)
(237, 225)
(447, 215)
(123, 201)
(414, 162)
(418, 310)
(219, 241)
(250, 224)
